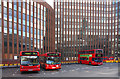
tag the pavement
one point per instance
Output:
(72, 70)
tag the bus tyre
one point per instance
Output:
(90, 63)
(37, 71)
(21, 72)
(80, 62)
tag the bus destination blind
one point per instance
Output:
(52, 54)
(29, 53)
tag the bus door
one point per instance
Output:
(85, 60)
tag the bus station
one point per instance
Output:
(60, 38)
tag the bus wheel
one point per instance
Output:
(37, 71)
(80, 62)
(90, 63)
(21, 72)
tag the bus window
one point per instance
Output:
(91, 51)
(29, 60)
(97, 59)
(99, 51)
(81, 58)
(53, 60)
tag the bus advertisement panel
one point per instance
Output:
(93, 57)
(50, 60)
(29, 61)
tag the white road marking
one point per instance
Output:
(73, 70)
(52, 73)
(104, 73)
(77, 69)
(83, 68)
(44, 73)
(106, 67)
(13, 74)
(64, 71)
(87, 71)
(57, 72)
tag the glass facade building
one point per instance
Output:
(83, 25)
(25, 25)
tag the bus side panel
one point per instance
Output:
(78, 58)
(90, 60)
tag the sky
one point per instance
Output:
(50, 2)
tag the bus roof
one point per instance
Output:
(90, 50)
(45, 54)
(28, 51)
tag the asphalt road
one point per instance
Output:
(73, 70)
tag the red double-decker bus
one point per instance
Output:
(93, 57)
(29, 61)
(50, 60)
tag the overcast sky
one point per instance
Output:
(50, 2)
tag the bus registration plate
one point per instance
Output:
(53, 67)
(30, 70)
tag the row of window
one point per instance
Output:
(15, 31)
(84, 58)
(95, 27)
(85, 3)
(15, 14)
(87, 9)
(19, 3)
(15, 20)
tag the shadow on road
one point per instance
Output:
(29, 72)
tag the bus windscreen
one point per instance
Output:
(29, 60)
(52, 60)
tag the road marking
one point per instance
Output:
(52, 73)
(64, 71)
(106, 67)
(57, 72)
(73, 70)
(83, 68)
(87, 71)
(13, 74)
(104, 73)
(77, 69)
(44, 73)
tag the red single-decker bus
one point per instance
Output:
(29, 61)
(50, 60)
(93, 57)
